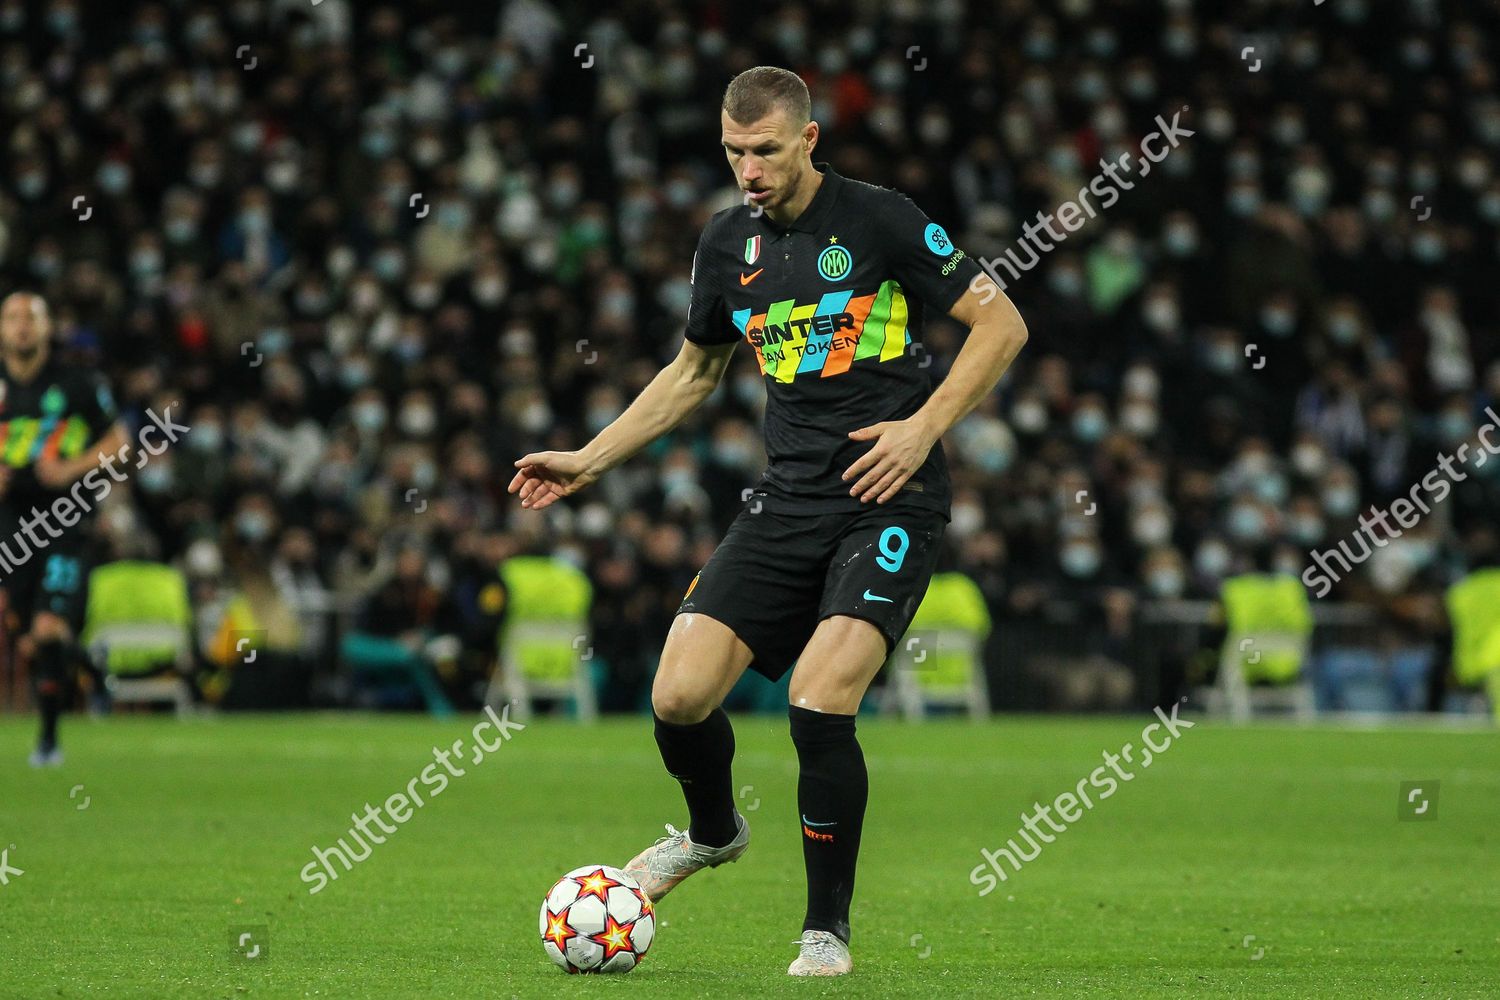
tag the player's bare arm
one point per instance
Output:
(59, 473)
(544, 477)
(996, 335)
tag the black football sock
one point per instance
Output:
(699, 756)
(49, 671)
(831, 795)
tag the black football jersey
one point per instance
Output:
(61, 412)
(833, 308)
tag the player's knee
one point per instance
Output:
(823, 694)
(680, 705)
(693, 677)
(49, 628)
(830, 686)
(49, 663)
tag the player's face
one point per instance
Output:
(769, 157)
(24, 324)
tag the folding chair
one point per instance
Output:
(137, 630)
(1270, 630)
(546, 650)
(939, 663)
(1474, 610)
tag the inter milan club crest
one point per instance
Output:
(752, 249)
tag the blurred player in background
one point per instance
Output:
(54, 422)
(826, 564)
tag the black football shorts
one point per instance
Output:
(53, 579)
(775, 576)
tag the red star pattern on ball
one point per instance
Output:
(596, 883)
(559, 931)
(616, 937)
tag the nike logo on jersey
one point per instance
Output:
(876, 597)
(745, 279)
(811, 823)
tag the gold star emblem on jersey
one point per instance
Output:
(833, 239)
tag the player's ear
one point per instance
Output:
(809, 136)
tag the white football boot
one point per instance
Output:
(46, 758)
(823, 954)
(674, 857)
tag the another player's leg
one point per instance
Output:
(57, 619)
(51, 676)
(701, 662)
(828, 684)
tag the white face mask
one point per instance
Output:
(1029, 417)
(1165, 582)
(536, 418)
(1151, 528)
(968, 519)
(1308, 459)
(418, 420)
(1140, 419)
(1141, 381)
(1340, 501)
(1080, 559)
(1212, 560)
(1161, 315)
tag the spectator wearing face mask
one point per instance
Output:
(405, 633)
(255, 253)
(256, 656)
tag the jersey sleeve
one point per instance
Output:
(708, 318)
(923, 258)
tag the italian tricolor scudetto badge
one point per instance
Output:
(752, 249)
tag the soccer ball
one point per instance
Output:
(597, 919)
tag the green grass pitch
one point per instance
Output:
(1243, 862)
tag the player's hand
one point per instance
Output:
(901, 446)
(5, 473)
(52, 473)
(545, 477)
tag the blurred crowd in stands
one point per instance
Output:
(377, 251)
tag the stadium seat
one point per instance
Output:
(1472, 604)
(379, 659)
(138, 632)
(1270, 625)
(545, 646)
(939, 662)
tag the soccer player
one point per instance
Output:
(53, 420)
(827, 279)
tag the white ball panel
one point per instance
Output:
(585, 954)
(644, 933)
(563, 893)
(554, 954)
(624, 904)
(587, 915)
